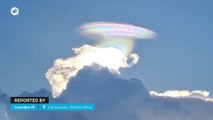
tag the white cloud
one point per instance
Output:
(199, 94)
(64, 69)
(116, 98)
(113, 50)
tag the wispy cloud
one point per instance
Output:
(198, 94)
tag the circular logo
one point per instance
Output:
(14, 11)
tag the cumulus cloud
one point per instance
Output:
(4, 100)
(113, 50)
(199, 94)
(116, 99)
(87, 55)
(3, 97)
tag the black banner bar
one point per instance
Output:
(31, 100)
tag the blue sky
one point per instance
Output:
(179, 58)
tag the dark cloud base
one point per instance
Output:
(115, 99)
